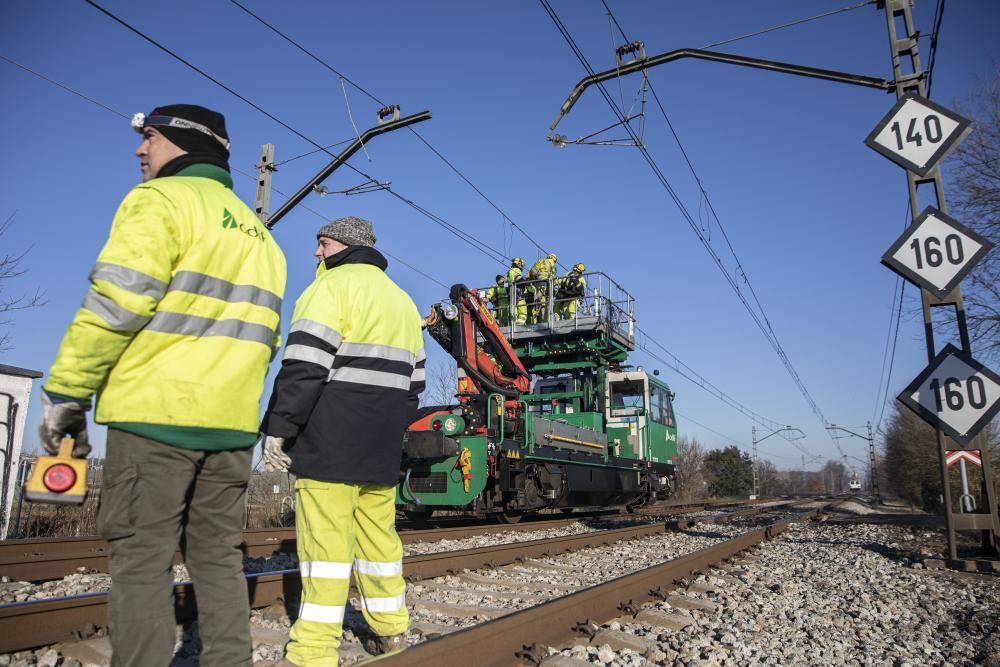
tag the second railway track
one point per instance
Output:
(37, 623)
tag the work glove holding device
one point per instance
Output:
(61, 419)
(275, 457)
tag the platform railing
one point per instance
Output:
(604, 303)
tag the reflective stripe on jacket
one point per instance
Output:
(351, 374)
(181, 318)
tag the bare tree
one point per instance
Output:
(11, 266)
(690, 462)
(912, 465)
(767, 476)
(442, 384)
(974, 195)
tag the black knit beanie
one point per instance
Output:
(194, 141)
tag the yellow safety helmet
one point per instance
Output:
(551, 256)
(518, 262)
(579, 268)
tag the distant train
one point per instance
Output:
(855, 483)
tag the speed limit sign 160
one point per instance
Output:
(936, 252)
(955, 392)
(917, 133)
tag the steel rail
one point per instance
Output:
(31, 624)
(44, 559)
(500, 642)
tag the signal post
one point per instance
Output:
(955, 393)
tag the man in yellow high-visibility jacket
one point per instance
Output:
(498, 296)
(569, 290)
(174, 337)
(348, 387)
(542, 271)
(520, 295)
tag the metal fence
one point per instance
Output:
(270, 503)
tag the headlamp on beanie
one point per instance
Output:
(141, 121)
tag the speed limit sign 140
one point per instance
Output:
(955, 392)
(917, 133)
(936, 252)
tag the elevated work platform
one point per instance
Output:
(600, 327)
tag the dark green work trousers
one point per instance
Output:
(153, 494)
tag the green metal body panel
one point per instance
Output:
(453, 493)
(592, 420)
(662, 437)
(619, 443)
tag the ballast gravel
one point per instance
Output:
(83, 582)
(818, 594)
(822, 594)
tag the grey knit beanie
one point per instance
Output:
(349, 231)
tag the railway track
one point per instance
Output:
(45, 559)
(527, 635)
(44, 622)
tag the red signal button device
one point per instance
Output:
(59, 479)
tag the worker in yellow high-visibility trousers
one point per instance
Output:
(348, 387)
(569, 290)
(514, 275)
(543, 270)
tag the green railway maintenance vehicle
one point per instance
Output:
(547, 415)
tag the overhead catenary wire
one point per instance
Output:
(466, 238)
(757, 33)
(64, 87)
(711, 208)
(643, 343)
(249, 176)
(757, 317)
(710, 429)
(888, 358)
(935, 34)
(236, 169)
(343, 77)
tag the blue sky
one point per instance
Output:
(808, 208)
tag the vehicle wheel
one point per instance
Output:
(510, 516)
(418, 516)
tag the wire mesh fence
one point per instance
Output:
(270, 503)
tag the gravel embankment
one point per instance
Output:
(820, 595)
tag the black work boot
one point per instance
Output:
(377, 645)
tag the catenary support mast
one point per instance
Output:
(909, 78)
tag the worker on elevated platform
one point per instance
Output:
(514, 274)
(569, 290)
(498, 297)
(542, 271)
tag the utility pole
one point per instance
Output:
(388, 120)
(909, 77)
(753, 436)
(872, 469)
(874, 466)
